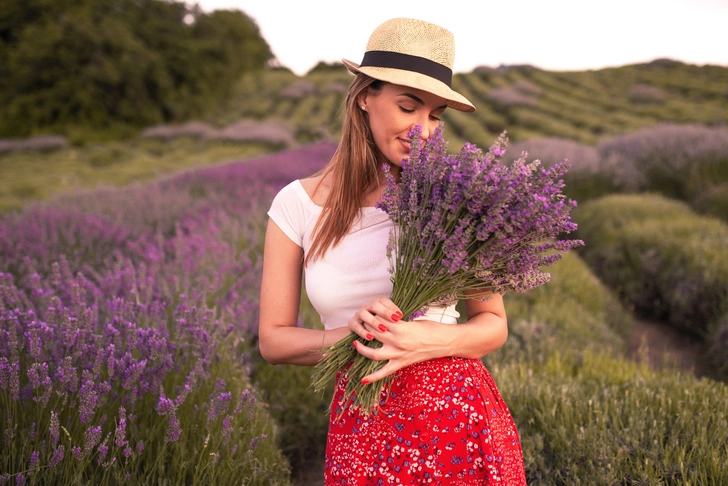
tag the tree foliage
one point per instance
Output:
(99, 62)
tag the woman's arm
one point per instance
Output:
(405, 343)
(281, 341)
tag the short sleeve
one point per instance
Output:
(289, 213)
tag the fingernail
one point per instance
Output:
(370, 337)
(399, 313)
(364, 381)
(395, 317)
(382, 328)
(354, 343)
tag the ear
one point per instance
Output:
(361, 99)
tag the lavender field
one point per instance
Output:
(128, 352)
(127, 332)
(128, 308)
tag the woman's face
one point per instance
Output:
(394, 111)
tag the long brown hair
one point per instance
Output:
(353, 170)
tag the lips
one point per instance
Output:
(405, 144)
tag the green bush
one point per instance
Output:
(713, 201)
(573, 311)
(661, 258)
(597, 419)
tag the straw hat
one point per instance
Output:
(413, 53)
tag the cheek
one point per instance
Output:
(380, 129)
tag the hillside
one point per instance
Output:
(583, 106)
(276, 109)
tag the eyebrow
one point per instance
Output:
(419, 100)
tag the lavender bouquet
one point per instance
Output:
(464, 222)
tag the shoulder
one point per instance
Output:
(291, 210)
(317, 188)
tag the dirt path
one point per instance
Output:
(313, 475)
(663, 346)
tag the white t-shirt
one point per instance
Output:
(353, 271)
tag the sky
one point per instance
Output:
(559, 35)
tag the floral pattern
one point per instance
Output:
(443, 422)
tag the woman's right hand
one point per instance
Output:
(373, 317)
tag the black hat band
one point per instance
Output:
(407, 62)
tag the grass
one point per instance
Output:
(664, 261)
(598, 419)
(38, 176)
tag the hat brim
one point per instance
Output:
(411, 79)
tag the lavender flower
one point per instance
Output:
(226, 429)
(38, 377)
(93, 437)
(88, 398)
(247, 400)
(4, 373)
(254, 442)
(54, 429)
(57, 456)
(165, 406)
(34, 460)
(15, 381)
(120, 433)
(174, 431)
(103, 450)
(464, 222)
(218, 405)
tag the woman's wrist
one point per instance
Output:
(473, 339)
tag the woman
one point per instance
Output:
(444, 421)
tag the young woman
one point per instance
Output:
(445, 421)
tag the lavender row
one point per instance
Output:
(126, 317)
(686, 162)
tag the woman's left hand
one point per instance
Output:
(404, 343)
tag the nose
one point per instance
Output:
(426, 124)
(425, 133)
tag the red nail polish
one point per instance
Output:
(354, 343)
(395, 317)
(370, 337)
(382, 328)
(364, 381)
(399, 313)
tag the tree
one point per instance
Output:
(98, 62)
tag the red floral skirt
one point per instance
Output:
(444, 423)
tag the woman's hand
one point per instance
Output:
(374, 316)
(405, 343)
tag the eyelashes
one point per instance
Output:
(405, 110)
